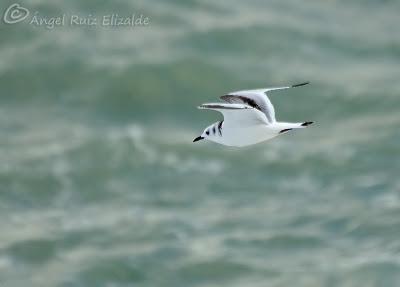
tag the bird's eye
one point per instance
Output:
(207, 132)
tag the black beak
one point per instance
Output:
(198, 138)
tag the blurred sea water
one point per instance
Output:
(101, 185)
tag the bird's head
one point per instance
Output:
(207, 133)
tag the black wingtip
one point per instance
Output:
(305, 124)
(284, 131)
(301, 84)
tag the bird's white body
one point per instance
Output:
(244, 136)
(249, 135)
(249, 118)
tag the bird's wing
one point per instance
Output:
(240, 114)
(257, 99)
(253, 98)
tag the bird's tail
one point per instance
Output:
(285, 127)
(306, 124)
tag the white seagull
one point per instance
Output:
(249, 118)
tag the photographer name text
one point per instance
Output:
(112, 20)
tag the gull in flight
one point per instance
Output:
(249, 118)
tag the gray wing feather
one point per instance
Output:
(237, 113)
(258, 99)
